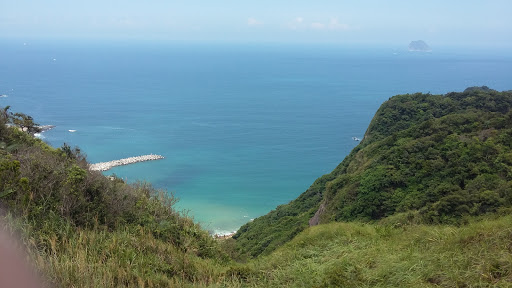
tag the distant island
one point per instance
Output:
(419, 46)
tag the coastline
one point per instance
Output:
(44, 128)
(223, 236)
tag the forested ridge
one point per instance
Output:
(433, 159)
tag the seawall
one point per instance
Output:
(104, 166)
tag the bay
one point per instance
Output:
(243, 128)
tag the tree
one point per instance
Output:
(24, 122)
(5, 112)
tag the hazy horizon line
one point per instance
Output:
(27, 40)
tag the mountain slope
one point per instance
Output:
(429, 158)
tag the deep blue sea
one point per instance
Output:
(243, 128)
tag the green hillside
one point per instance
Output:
(83, 229)
(424, 200)
(354, 254)
(431, 158)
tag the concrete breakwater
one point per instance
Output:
(104, 166)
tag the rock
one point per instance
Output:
(419, 46)
(44, 128)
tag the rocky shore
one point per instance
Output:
(223, 236)
(104, 166)
(44, 128)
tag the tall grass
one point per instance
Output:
(129, 257)
(331, 255)
(374, 255)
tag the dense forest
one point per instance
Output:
(423, 201)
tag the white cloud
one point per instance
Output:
(317, 25)
(334, 24)
(295, 23)
(252, 22)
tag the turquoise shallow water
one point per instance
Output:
(243, 128)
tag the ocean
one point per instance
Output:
(243, 128)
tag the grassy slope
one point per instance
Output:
(448, 156)
(119, 258)
(82, 229)
(378, 255)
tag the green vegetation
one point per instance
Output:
(439, 158)
(424, 201)
(83, 229)
(379, 255)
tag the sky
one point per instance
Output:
(441, 22)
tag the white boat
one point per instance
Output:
(356, 139)
(72, 131)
